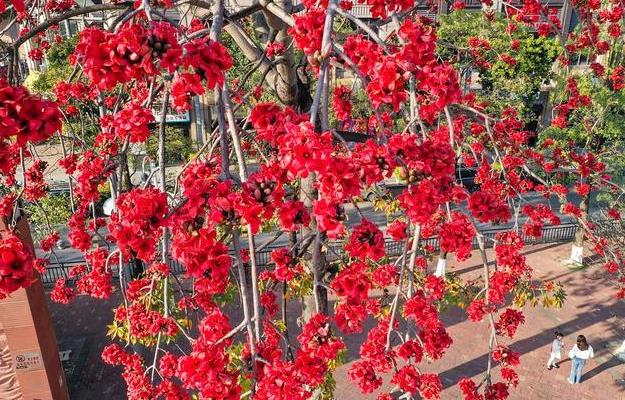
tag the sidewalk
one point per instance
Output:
(590, 309)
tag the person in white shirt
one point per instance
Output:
(579, 354)
(556, 351)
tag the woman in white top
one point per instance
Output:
(581, 352)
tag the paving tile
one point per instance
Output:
(590, 309)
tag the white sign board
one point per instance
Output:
(28, 361)
(172, 118)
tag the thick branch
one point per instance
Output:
(72, 13)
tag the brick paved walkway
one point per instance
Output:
(589, 309)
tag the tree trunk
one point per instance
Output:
(319, 296)
(292, 90)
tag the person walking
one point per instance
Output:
(556, 351)
(579, 354)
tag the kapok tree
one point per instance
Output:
(418, 120)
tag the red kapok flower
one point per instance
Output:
(16, 265)
(365, 241)
(135, 226)
(209, 59)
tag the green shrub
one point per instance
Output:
(54, 209)
(178, 145)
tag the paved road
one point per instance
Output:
(69, 255)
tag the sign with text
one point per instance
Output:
(28, 361)
(172, 118)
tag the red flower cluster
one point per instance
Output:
(16, 265)
(374, 161)
(205, 369)
(385, 275)
(66, 92)
(36, 186)
(133, 122)
(506, 357)
(184, 86)
(537, 216)
(456, 236)
(285, 265)
(375, 359)
(61, 293)
(488, 204)
(274, 49)
(410, 380)
(352, 286)
(380, 8)
(292, 214)
(508, 252)
(441, 87)
(330, 217)
(282, 380)
(478, 309)
(203, 257)
(9, 160)
(301, 150)
(209, 59)
(617, 78)
(387, 85)
(48, 242)
(138, 382)
(307, 31)
(130, 53)
(136, 226)
(420, 44)
(342, 103)
(95, 282)
(93, 170)
(421, 201)
(269, 120)
(26, 118)
(420, 309)
(397, 230)
(363, 52)
(318, 345)
(365, 241)
(509, 321)
(575, 101)
(58, 6)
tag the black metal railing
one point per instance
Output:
(550, 234)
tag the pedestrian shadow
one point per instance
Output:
(611, 363)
